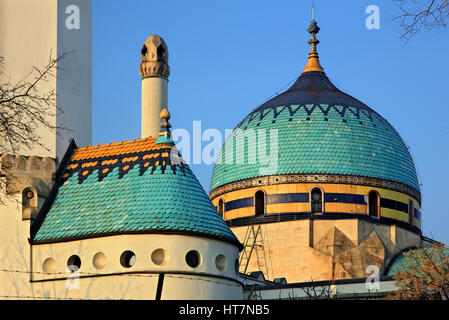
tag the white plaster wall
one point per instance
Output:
(34, 173)
(14, 250)
(140, 281)
(113, 281)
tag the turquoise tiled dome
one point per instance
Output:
(129, 187)
(401, 264)
(321, 130)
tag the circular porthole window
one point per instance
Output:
(221, 263)
(193, 258)
(159, 256)
(49, 265)
(99, 260)
(74, 263)
(128, 259)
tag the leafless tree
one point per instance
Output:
(324, 292)
(424, 274)
(25, 106)
(423, 15)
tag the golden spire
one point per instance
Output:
(313, 63)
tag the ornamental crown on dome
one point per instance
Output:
(154, 58)
(313, 63)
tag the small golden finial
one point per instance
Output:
(165, 115)
(164, 133)
(313, 63)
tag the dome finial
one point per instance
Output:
(313, 63)
(165, 134)
(164, 115)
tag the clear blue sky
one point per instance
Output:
(228, 57)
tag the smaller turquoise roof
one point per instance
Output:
(129, 187)
(401, 264)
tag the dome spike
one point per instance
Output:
(313, 63)
(165, 134)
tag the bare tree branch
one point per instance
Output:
(25, 107)
(314, 292)
(424, 275)
(416, 16)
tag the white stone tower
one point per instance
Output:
(32, 32)
(154, 70)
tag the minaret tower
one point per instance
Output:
(154, 70)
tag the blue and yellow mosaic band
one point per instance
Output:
(337, 198)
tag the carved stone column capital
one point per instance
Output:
(154, 58)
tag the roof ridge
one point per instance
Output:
(113, 143)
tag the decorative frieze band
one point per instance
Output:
(315, 178)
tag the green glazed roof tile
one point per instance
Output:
(364, 144)
(147, 197)
(402, 264)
